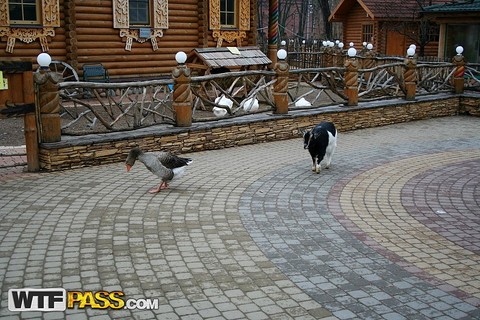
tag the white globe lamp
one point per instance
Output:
(352, 52)
(181, 57)
(410, 52)
(282, 54)
(44, 60)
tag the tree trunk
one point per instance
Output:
(325, 8)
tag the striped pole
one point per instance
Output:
(273, 31)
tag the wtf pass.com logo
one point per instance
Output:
(58, 299)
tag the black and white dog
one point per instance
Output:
(321, 142)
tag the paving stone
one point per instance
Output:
(390, 231)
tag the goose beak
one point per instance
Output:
(129, 167)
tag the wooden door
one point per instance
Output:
(396, 44)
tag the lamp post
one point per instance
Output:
(338, 53)
(410, 74)
(280, 87)
(48, 100)
(329, 53)
(351, 77)
(182, 93)
(458, 75)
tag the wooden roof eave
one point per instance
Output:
(341, 10)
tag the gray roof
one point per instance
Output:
(223, 57)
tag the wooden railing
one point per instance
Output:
(236, 93)
(104, 107)
(87, 107)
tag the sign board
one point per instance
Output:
(144, 33)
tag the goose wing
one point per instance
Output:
(153, 164)
(172, 161)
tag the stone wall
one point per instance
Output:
(74, 152)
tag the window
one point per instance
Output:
(139, 12)
(227, 13)
(27, 21)
(23, 12)
(229, 20)
(367, 33)
(140, 20)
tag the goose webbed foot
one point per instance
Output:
(162, 186)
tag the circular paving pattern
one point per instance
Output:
(390, 231)
(447, 201)
(315, 228)
(381, 215)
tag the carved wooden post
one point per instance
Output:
(280, 87)
(339, 54)
(410, 77)
(182, 93)
(351, 77)
(329, 55)
(458, 74)
(369, 60)
(323, 55)
(48, 101)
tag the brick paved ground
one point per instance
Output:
(390, 231)
(13, 160)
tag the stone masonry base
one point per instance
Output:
(96, 149)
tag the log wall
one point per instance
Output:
(30, 51)
(353, 32)
(87, 35)
(98, 41)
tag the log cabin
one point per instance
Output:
(130, 38)
(391, 26)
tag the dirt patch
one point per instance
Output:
(11, 132)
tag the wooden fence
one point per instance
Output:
(106, 107)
